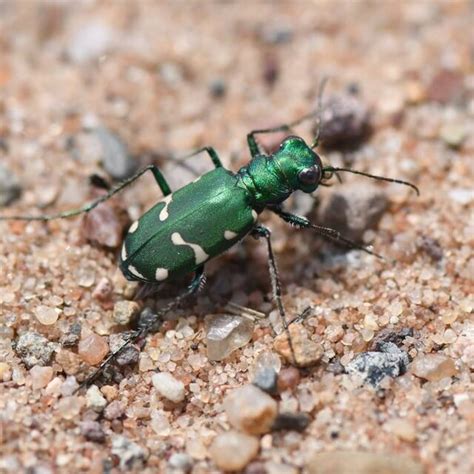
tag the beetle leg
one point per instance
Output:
(161, 181)
(196, 284)
(208, 149)
(301, 222)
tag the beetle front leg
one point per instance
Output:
(301, 222)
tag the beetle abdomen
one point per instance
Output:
(187, 228)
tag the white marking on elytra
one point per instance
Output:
(161, 274)
(133, 227)
(197, 179)
(135, 272)
(164, 212)
(229, 235)
(254, 215)
(124, 252)
(199, 253)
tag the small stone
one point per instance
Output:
(266, 379)
(181, 461)
(131, 455)
(34, 349)
(446, 86)
(352, 209)
(103, 290)
(10, 188)
(373, 367)
(91, 41)
(401, 428)
(69, 361)
(116, 159)
(125, 311)
(129, 355)
(168, 387)
(433, 367)
(453, 134)
(288, 379)
(359, 462)
(5, 372)
(92, 431)
(40, 376)
(95, 399)
(432, 247)
(114, 410)
(226, 333)
(72, 337)
(70, 407)
(46, 314)
(103, 226)
(279, 468)
(291, 421)
(250, 410)
(306, 351)
(345, 121)
(232, 451)
(218, 88)
(92, 349)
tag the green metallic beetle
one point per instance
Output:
(188, 227)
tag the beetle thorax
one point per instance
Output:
(265, 181)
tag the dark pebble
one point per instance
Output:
(288, 379)
(71, 338)
(266, 380)
(148, 317)
(291, 421)
(92, 431)
(218, 88)
(390, 361)
(34, 349)
(352, 209)
(432, 247)
(116, 159)
(345, 122)
(10, 188)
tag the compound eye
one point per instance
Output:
(310, 175)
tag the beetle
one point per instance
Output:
(201, 220)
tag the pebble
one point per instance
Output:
(433, 367)
(92, 431)
(453, 134)
(168, 387)
(345, 121)
(94, 399)
(181, 461)
(103, 226)
(288, 379)
(373, 366)
(361, 462)
(128, 356)
(73, 335)
(34, 349)
(218, 88)
(114, 410)
(352, 209)
(103, 290)
(131, 455)
(40, 376)
(5, 372)
(226, 333)
(92, 349)
(116, 158)
(69, 407)
(232, 451)
(125, 311)
(251, 410)
(291, 421)
(401, 428)
(91, 41)
(266, 379)
(446, 86)
(47, 315)
(10, 188)
(306, 351)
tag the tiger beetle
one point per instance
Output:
(203, 219)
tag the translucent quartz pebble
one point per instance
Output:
(225, 333)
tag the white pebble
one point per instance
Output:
(168, 386)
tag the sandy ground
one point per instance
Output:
(167, 77)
